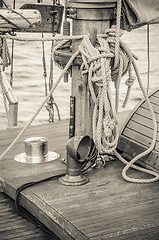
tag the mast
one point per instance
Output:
(88, 17)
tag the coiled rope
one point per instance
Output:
(97, 63)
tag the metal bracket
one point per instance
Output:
(72, 13)
(51, 17)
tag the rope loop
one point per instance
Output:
(103, 55)
(129, 82)
(96, 60)
(98, 63)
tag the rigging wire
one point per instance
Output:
(51, 103)
(148, 57)
(3, 3)
(44, 64)
(12, 56)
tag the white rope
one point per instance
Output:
(97, 62)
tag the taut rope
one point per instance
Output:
(41, 106)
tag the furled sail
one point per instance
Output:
(136, 13)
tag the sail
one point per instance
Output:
(136, 13)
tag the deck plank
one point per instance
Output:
(107, 207)
(13, 226)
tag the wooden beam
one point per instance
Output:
(19, 19)
(11, 97)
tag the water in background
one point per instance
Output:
(29, 81)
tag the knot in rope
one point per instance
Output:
(129, 82)
(109, 127)
(102, 55)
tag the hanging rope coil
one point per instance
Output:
(97, 63)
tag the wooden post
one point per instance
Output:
(89, 17)
(13, 114)
(13, 103)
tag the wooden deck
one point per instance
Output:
(107, 207)
(14, 226)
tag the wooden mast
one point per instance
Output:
(88, 17)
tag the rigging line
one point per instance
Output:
(52, 45)
(13, 4)
(12, 56)
(51, 57)
(8, 21)
(12, 23)
(42, 104)
(4, 4)
(30, 24)
(51, 102)
(148, 57)
(118, 19)
(53, 18)
(12, 59)
(44, 64)
(51, 66)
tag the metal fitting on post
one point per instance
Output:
(78, 148)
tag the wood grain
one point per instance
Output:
(107, 207)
